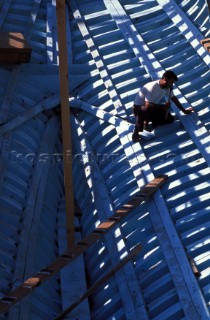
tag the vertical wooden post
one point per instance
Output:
(65, 118)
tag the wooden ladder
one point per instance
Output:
(78, 248)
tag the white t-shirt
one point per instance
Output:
(152, 92)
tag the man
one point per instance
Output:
(149, 105)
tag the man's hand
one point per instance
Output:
(188, 110)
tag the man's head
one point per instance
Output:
(168, 79)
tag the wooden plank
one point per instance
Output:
(14, 48)
(30, 284)
(65, 118)
(100, 282)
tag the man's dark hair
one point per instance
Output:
(170, 75)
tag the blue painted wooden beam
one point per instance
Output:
(98, 61)
(186, 27)
(33, 208)
(5, 5)
(127, 283)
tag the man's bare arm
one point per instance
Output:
(179, 105)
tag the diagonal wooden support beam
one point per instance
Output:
(80, 247)
(65, 119)
(100, 282)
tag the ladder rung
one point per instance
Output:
(128, 206)
(8, 300)
(99, 231)
(29, 286)
(67, 256)
(141, 195)
(82, 243)
(115, 218)
(46, 271)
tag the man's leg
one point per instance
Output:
(147, 126)
(135, 135)
(139, 123)
(159, 116)
(169, 118)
